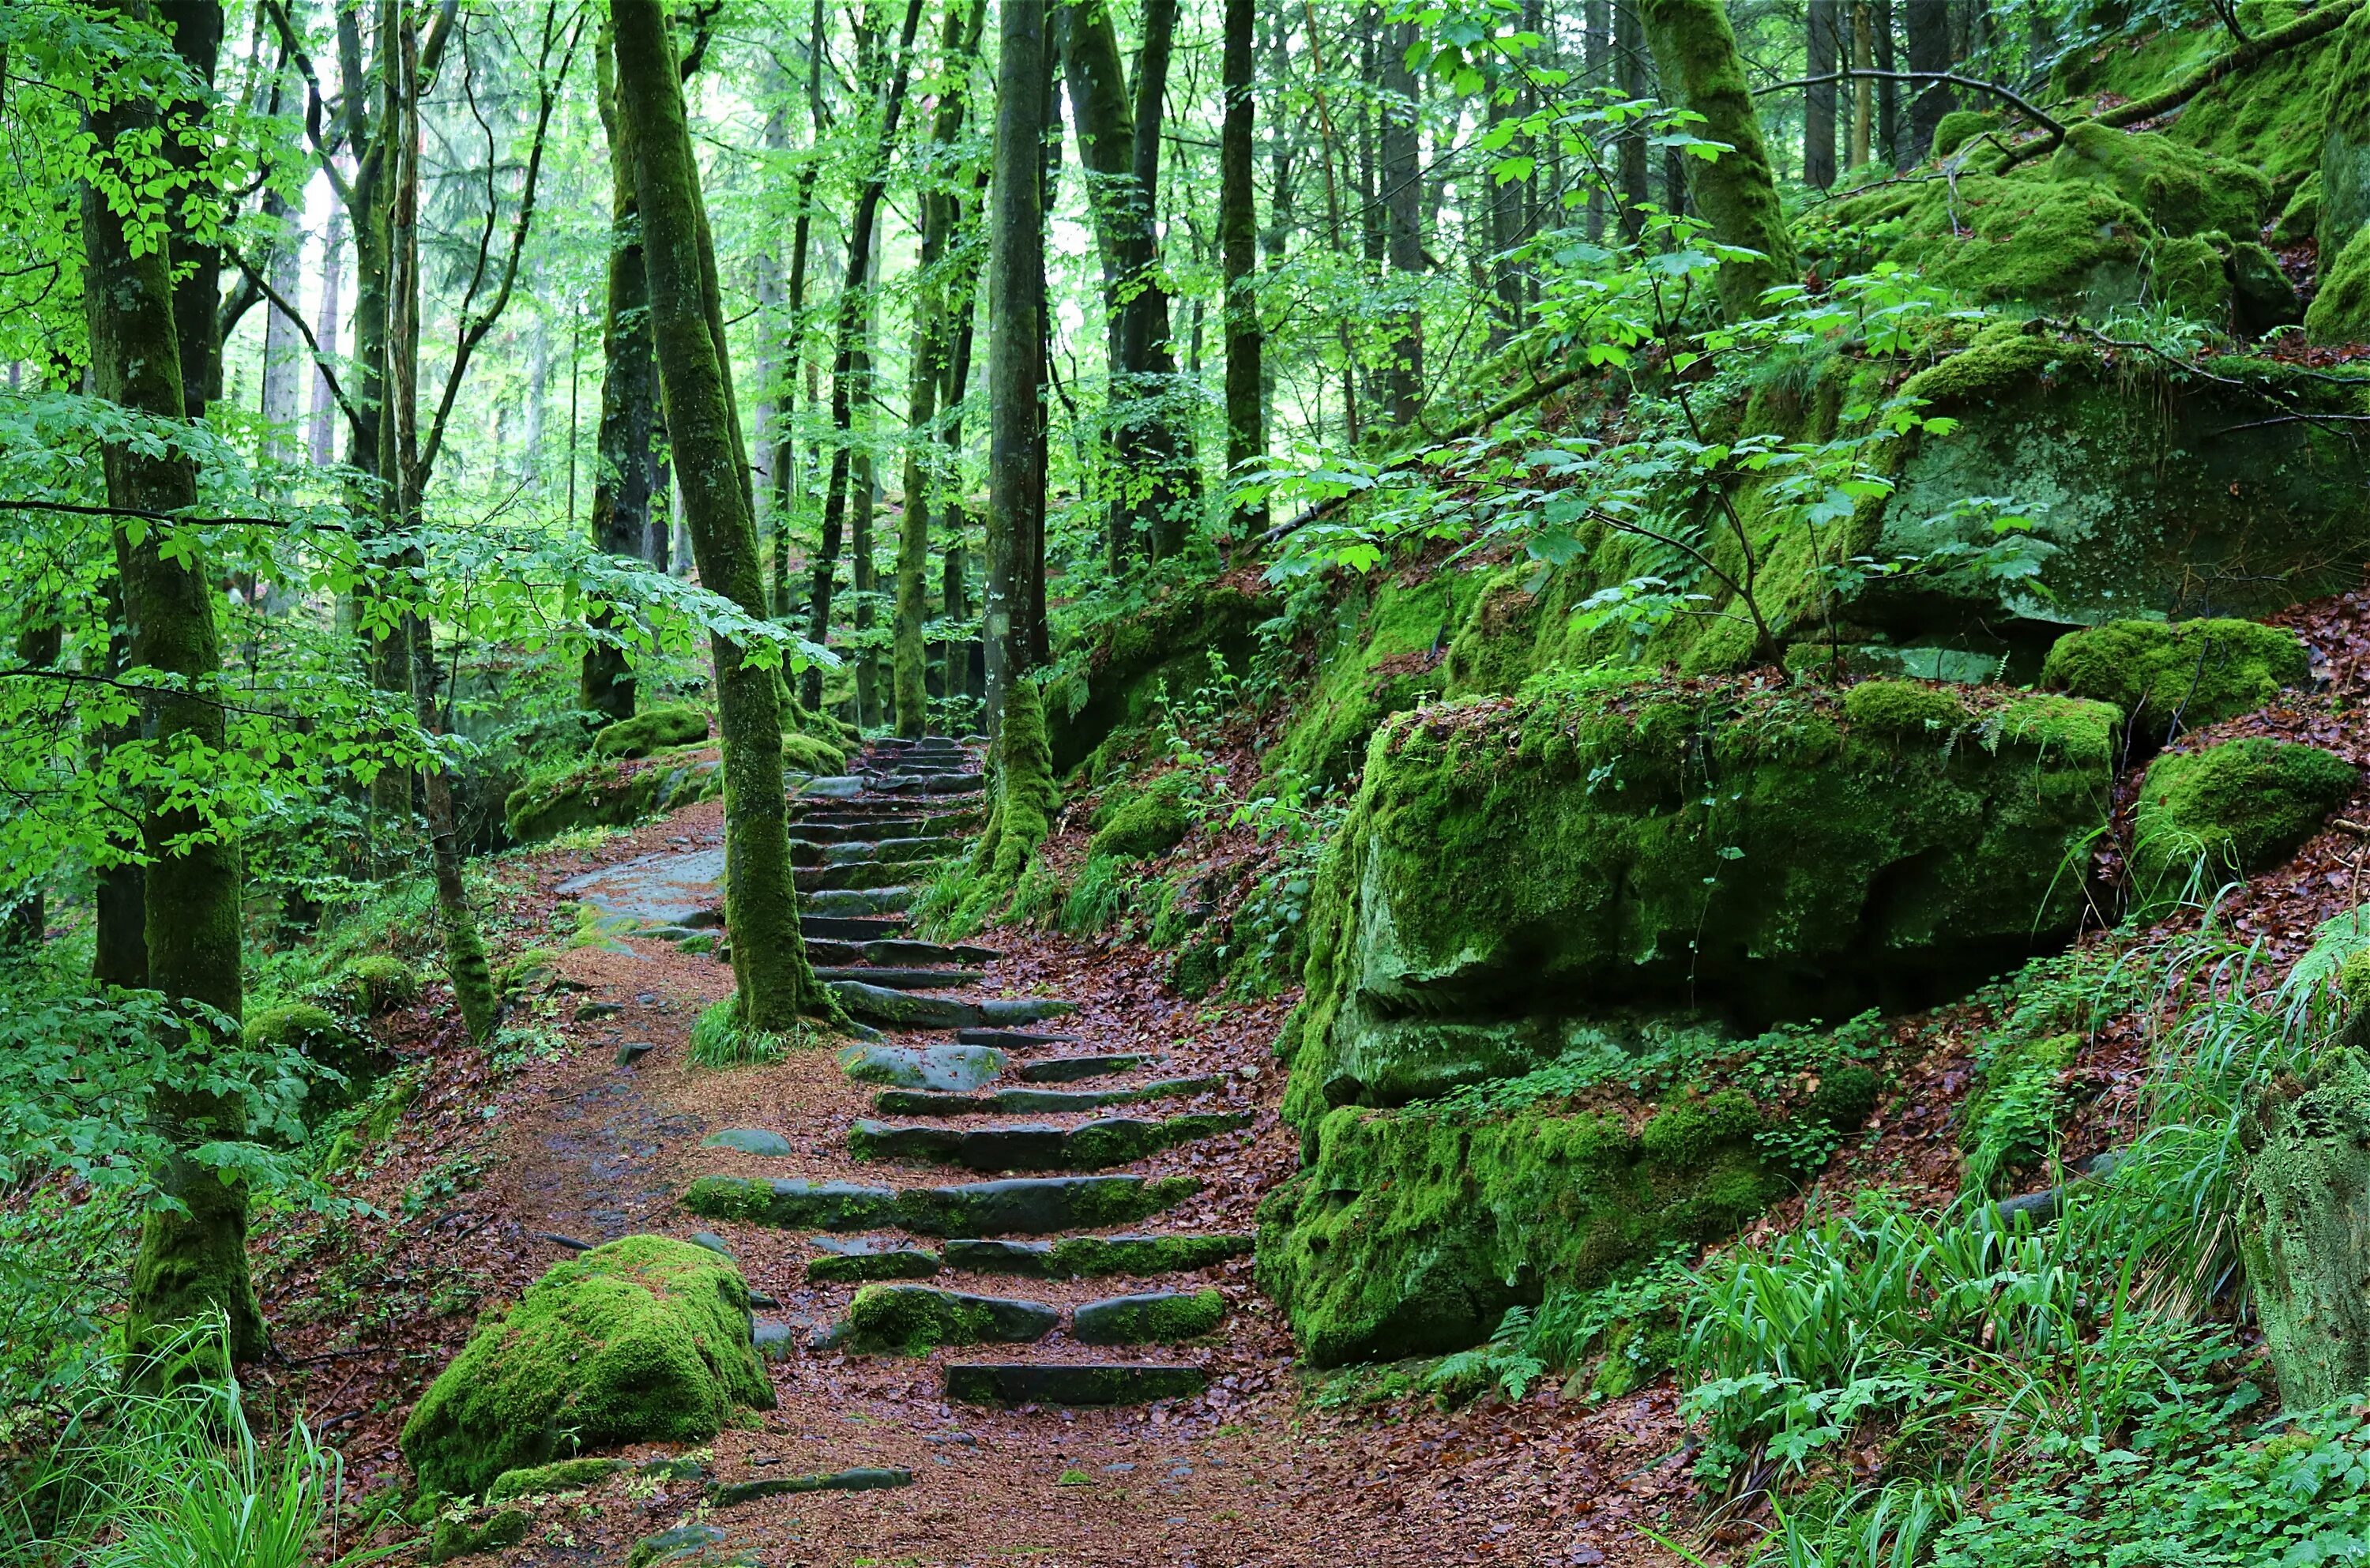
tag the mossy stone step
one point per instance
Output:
(862, 876)
(864, 928)
(917, 1319)
(864, 1478)
(830, 786)
(903, 979)
(890, 851)
(811, 833)
(858, 901)
(923, 1102)
(928, 954)
(1152, 1317)
(943, 1068)
(854, 1262)
(1093, 1145)
(748, 1140)
(1070, 1382)
(1027, 1205)
(1094, 1257)
(1071, 1070)
(1016, 1038)
(900, 1009)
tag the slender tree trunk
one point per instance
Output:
(1819, 98)
(191, 1261)
(120, 940)
(1015, 483)
(769, 957)
(853, 296)
(284, 348)
(1238, 241)
(1403, 203)
(863, 486)
(1863, 86)
(788, 490)
(1629, 56)
(325, 331)
(1737, 195)
(1929, 50)
(629, 396)
(1891, 146)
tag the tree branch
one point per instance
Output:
(73, 509)
(1951, 77)
(312, 341)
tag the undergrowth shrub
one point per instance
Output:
(721, 1040)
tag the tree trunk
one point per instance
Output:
(120, 940)
(1819, 98)
(1889, 140)
(1629, 56)
(1929, 50)
(1863, 129)
(787, 489)
(769, 957)
(325, 330)
(629, 395)
(1015, 483)
(37, 647)
(1403, 202)
(283, 345)
(1700, 67)
(193, 1261)
(1238, 241)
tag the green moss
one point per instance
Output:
(1162, 1317)
(1635, 843)
(2339, 312)
(2299, 1227)
(1116, 681)
(642, 1339)
(2188, 674)
(653, 729)
(381, 982)
(2190, 276)
(2182, 188)
(605, 794)
(2343, 142)
(1411, 1233)
(915, 1319)
(1027, 800)
(2004, 360)
(462, 1538)
(2301, 217)
(1140, 823)
(1904, 711)
(2232, 809)
(292, 1026)
(1959, 127)
(2009, 1123)
(560, 1475)
(1382, 655)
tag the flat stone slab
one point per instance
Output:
(748, 1140)
(1070, 1382)
(927, 954)
(944, 1068)
(903, 979)
(879, 1004)
(850, 927)
(1071, 1070)
(858, 901)
(917, 1319)
(862, 876)
(1013, 1037)
(856, 1265)
(724, 1494)
(890, 851)
(813, 832)
(832, 786)
(681, 887)
(1096, 1257)
(924, 1102)
(1035, 1146)
(1152, 1317)
(1025, 1206)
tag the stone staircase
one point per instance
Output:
(933, 1258)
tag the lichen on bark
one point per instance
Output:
(2305, 1226)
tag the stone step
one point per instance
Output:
(890, 852)
(903, 1009)
(946, 1070)
(1014, 1038)
(1070, 1069)
(924, 783)
(830, 786)
(1070, 1382)
(916, 1318)
(892, 819)
(812, 831)
(1094, 1257)
(850, 927)
(725, 1495)
(1039, 1205)
(855, 1262)
(1152, 1317)
(904, 979)
(926, 1102)
(858, 901)
(1038, 1145)
(863, 875)
(748, 1140)
(893, 952)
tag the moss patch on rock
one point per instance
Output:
(1139, 823)
(917, 1319)
(560, 1475)
(607, 794)
(2230, 810)
(1385, 652)
(2183, 190)
(642, 1339)
(651, 729)
(2303, 1219)
(2340, 311)
(1117, 681)
(2177, 674)
(381, 982)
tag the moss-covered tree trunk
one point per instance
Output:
(630, 399)
(192, 1260)
(1238, 240)
(1696, 51)
(2305, 1227)
(769, 958)
(1402, 203)
(1016, 477)
(120, 918)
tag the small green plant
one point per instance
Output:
(721, 1040)
(1507, 1364)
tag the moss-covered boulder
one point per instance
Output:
(327, 1042)
(2170, 675)
(653, 729)
(2206, 817)
(917, 1319)
(1613, 842)
(1959, 127)
(2344, 141)
(1412, 1231)
(2340, 311)
(1384, 651)
(379, 981)
(1136, 824)
(642, 1339)
(1118, 679)
(2182, 188)
(607, 794)
(2305, 1214)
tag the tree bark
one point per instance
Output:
(1701, 68)
(120, 940)
(1863, 55)
(323, 417)
(800, 374)
(1015, 482)
(630, 431)
(1929, 50)
(1238, 242)
(1632, 62)
(1889, 140)
(769, 959)
(193, 1261)
(1819, 98)
(1403, 204)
